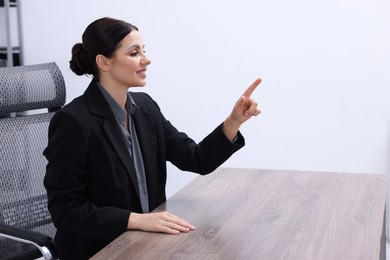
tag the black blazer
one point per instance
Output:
(90, 179)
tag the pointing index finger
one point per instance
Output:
(251, 88)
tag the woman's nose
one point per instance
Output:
(146, 61)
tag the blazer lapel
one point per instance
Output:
(99, 106)
(146, 134)
(146, 129)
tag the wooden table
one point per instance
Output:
(268, 214)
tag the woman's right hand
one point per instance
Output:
(163, 222)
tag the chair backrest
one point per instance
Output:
(23, 137)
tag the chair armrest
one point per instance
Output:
(41, 241)
(24, 235)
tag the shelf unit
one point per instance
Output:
(11, 55)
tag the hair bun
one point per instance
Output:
(79, 63)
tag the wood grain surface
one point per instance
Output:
(268, 214)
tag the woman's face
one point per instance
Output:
(129, 62)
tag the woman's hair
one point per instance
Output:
(100, 37)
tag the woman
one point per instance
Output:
(108, 148)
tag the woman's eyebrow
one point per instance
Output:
(137, 46)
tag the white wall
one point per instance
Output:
(325, 66)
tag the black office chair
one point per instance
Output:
(26, 229)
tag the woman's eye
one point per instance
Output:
(133, 54)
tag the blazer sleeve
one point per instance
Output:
(203, 157)
(183, 152)
(65, 182)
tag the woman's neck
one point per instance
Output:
(118, 93)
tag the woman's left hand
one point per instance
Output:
(244, 109)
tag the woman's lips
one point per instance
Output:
(142, 73)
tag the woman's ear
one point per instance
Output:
(103, 62)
